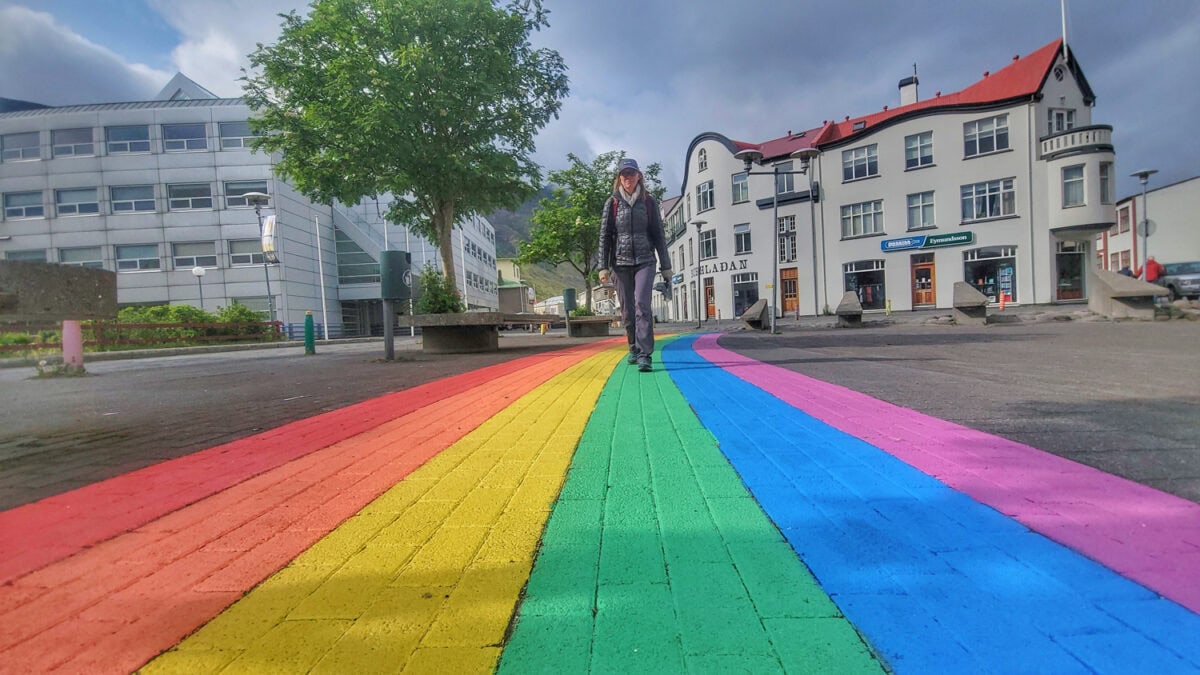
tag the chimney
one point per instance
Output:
(908, 90)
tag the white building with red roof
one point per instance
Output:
(1004, 185)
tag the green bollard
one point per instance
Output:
(310, 345)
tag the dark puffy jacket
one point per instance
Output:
(632, 239)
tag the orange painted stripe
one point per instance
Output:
(51, 529)
(116, 605)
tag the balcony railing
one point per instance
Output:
(1078, 139)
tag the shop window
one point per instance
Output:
(992, 270)
(1070, 258)
(865, 278)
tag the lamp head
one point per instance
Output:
(198, 271)
(749, 156)
(699, 224)
(806, 156)
(1144, 175)
(257, 198)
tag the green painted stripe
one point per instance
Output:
(657, 559)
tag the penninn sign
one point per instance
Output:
(927, 241)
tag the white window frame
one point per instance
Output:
(231, 141)
(195, 203)
(704, 196)
(742, 242)
(139, 264)
(785, 180)
(21, 153)
(1073, 186)
(245, 252)
(236, 189)
(85, 256)
(27, 255)
(1059, 120)
(125, 203)
(993, 130)
(64, 147)
(131, 146)
(201, 254)
(920, 211)
(23, 212)
(76, 208)
(785, 231)
(185, 143)
(862, 219)
(740, 188)
(708, 244)
(1000, 192)
(1106, 182)
(918, 150)
(702, 160)
(860, 163)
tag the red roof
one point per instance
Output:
(1023, 77)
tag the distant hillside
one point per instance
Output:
(513, 226)
(548, 282)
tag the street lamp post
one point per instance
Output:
(698, 224)
(750, 157)
(806, 156)
(259, 199)
(198, 272)
(1143, 176)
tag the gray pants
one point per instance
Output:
(634, 287)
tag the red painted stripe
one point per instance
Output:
(36, 534)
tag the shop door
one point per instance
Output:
(923, 292)
(710, 303)
(789, 290)
(745, 293)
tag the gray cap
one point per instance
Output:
(628, 164)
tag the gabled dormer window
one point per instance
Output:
(1060, 119)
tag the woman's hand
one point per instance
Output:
(604, 276)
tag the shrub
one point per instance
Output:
(582, 311)
(438, 294)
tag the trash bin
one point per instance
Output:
(568, 300)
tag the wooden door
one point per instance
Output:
(789, 290)
(923, 282)
(710, 302)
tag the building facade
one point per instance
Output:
(157, 192)
(1003, 185)
(1174, 211)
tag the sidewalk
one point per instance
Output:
(563, 513)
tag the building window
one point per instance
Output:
(184, 137)
(741, 187)
(992, 199)
(708, 244)
(866, 279)
(785, 182)
(19, 147)
(704, 196)
(235, 135)
(786, 231)
(920, 210)
(690, 252)
(72, 142)
(1106, 183)
(245, 252)
(1060, 120)
(88, 256)
(132, 198)
(703, 159)
(981, 137)
(992, 271)
(235, 192)
(1072, 186)
(189, 196)
(860, 162)
(1123, 219)
(741, 238)
(23, 205)
(862, 219)
(126, 140)
(137, 257)
(77, 202)
(31, 255)
(918, 150)
(195, 254)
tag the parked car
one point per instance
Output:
(1182, 279)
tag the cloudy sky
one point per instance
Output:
(648, 76)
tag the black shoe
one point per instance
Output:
(633, 357)
(644, 364)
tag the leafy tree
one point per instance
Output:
(435, 102)
(566, 227)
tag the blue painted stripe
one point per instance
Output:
(936, 581)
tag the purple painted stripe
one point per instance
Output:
(1141, 533)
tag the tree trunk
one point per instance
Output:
(587, 290)
(443, 224)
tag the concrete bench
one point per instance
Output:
(756, 316)
(1117, 296)
(467, 332)
(849, 311)
(970, 306)
(589, 326)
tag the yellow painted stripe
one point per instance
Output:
(427, 576)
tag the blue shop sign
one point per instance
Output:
(927, 241)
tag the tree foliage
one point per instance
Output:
(566, 226)
(432, 101)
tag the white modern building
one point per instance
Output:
(1004, 185)
(1174, 212)
(156, 191)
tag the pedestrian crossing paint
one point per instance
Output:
(566, 513)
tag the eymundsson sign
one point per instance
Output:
(927, 241)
